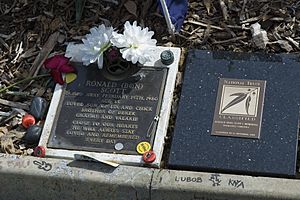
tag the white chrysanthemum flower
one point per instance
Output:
(93, 46)
(135, 43)
(74, 52)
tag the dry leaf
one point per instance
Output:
(207, 4)
(131, 7)
(55, 24)
(285, 45)
(7, 145)
(291, 40)
(29, 53)
(3, 130)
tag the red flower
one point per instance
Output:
(58, 64)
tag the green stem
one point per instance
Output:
(103, 49)
(24, 80)
(79, 7)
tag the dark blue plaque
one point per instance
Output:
(195, 146)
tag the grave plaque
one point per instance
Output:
(238, 113)
(98, 114)
(111, 116)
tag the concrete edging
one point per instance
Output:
(173, 184)
(46, 178)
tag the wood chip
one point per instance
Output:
(14, 104)
(224, 9)
(40, 59)
(131, 7)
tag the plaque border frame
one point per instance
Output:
(162, 124)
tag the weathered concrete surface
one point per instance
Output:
(179, 185)
(34, 178)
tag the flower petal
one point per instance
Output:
(67, 68)
(74, 51)
(100, 61)
(57, 76)
(56, 61)
(134, 43)
(94, 45)
(119, 40)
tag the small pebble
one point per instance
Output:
(33, 134)
(38, 107)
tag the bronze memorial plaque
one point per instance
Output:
(101, 115)
(239, 108)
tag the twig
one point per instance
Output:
(216, 27)
(4, 114)
(295, 43)
(203, 24)
(112, 1)
(7, 37)
(206, 34)
(238, 27)
(279, 19)
(182, 36)
(10, 117)
(230, 40)
(14, 104)
(22, 81)
(19, 50)
(4, 44)
(228, 29)
(242, 14)
(8, 10)
(23, 94)
(3, 60)
(194, 31)
(253, 19)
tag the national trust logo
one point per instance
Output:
(239, 100)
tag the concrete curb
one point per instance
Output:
(46, 178)
(35, 178)
(173, 184)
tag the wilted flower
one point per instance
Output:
(92, 48)
(58, 64)
(135, 43)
